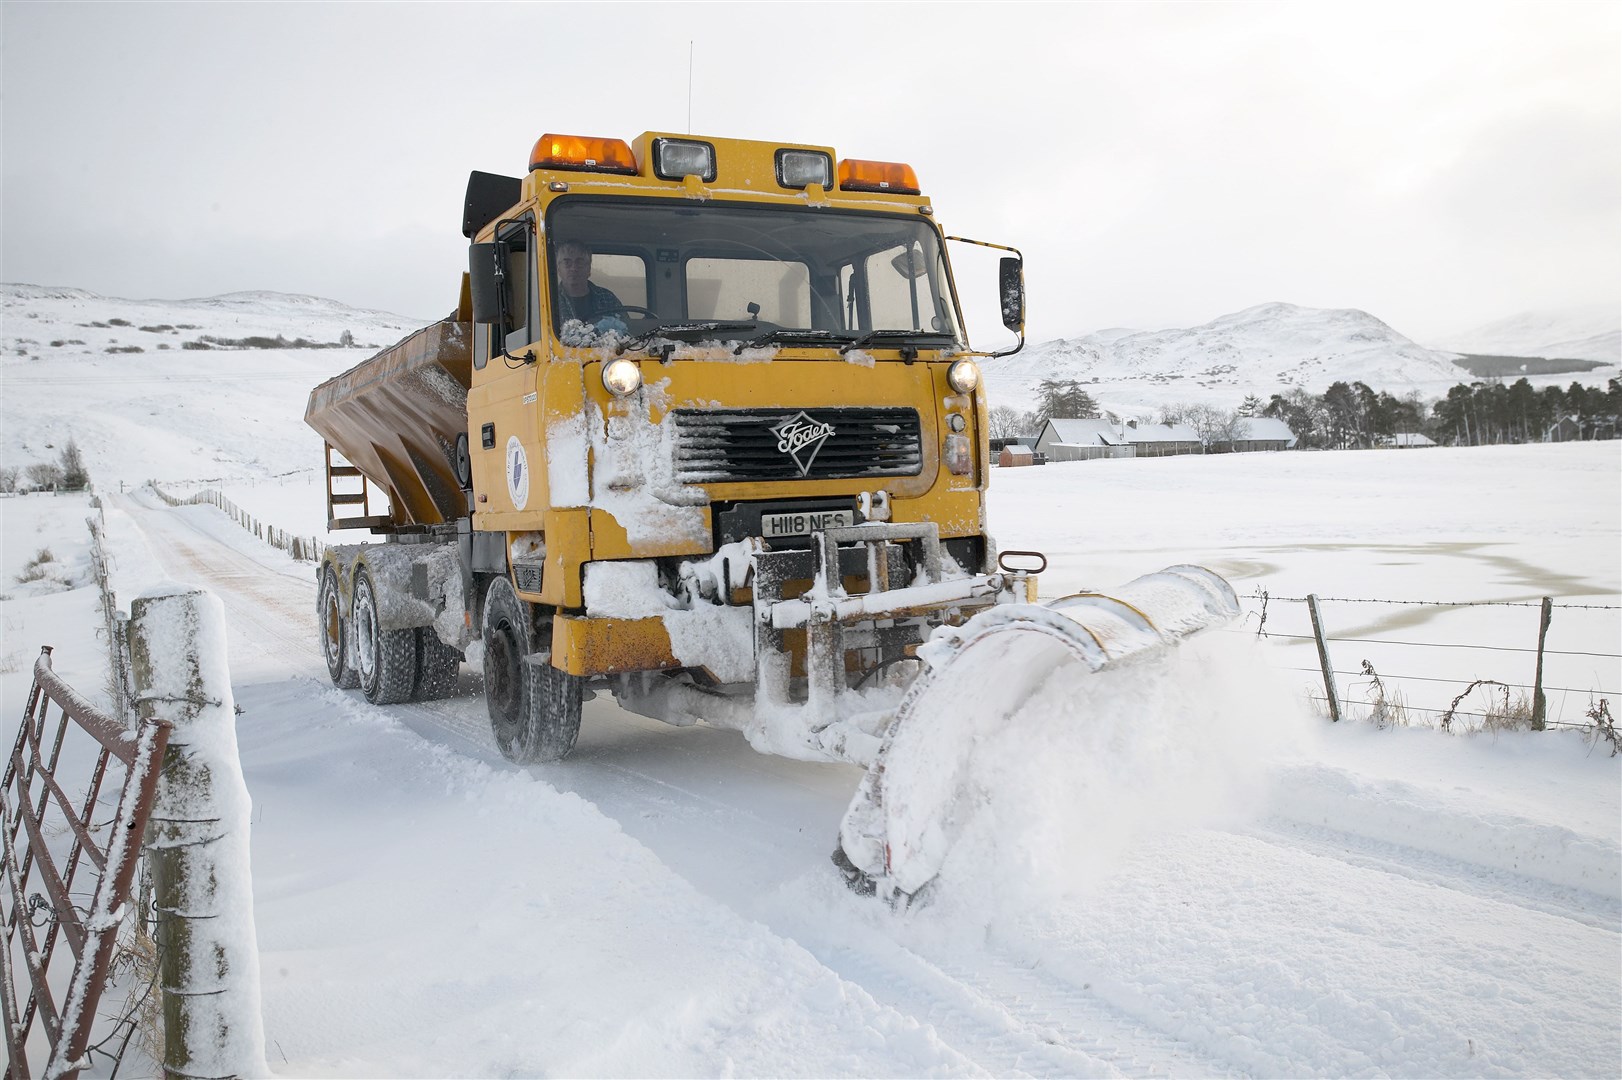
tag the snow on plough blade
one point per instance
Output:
(907, 812)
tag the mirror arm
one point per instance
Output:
(1020, 344)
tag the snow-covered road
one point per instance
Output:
(1352, 902)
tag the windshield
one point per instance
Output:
(774, 274)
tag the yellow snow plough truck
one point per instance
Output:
(705, 433)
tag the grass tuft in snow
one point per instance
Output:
(1499, 712)
(1604, 725)
(1386, 707)
(38, 568)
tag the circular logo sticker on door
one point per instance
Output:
(517, 472)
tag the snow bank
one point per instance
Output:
(1087, 764)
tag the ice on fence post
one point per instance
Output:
(197, 840)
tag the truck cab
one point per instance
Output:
(747, 461)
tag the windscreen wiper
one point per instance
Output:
(685, 331)
(874, 336)
(789, 334)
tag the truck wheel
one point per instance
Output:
(387, 659)
(437, 664)
(329, 614)
(534, 707)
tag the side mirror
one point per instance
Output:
(1011, 290)
(486, 265)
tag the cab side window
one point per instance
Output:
(521, 328)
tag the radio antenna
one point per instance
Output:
(689, 86)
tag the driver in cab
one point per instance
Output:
(586, 311)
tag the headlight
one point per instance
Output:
(676, 158)
(963, 376)
(621, 377)
(797, 168)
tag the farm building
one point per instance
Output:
(1082, 440)
(1015, 454)
(1087, 440)
(1257, 433)
(1407, 440)
(1162, 440)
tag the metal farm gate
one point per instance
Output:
(37, 903)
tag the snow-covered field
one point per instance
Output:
(1303, 901)
(1195, 877)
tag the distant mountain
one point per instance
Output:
(1262, 350)
(1582, 333)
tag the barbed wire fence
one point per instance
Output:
(302, 548)
(1383, 697)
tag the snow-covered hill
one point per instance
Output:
(1581, 333)
(1262, 350)
(32, 310)
(132, 380)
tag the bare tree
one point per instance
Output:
(1006, 422)
(1211, 424)
(43, 474)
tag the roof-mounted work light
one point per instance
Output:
(676, 158)
(801, 168)
(889, 176)
(582, 153)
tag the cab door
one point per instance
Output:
(509, 473)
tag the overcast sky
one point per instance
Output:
(1439, 165)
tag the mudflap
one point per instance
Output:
(905, 815)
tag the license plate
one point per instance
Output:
(804, 524)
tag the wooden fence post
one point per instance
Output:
(208, 958)
(1323, 658)
(1539, 706)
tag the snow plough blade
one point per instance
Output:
(911, 803)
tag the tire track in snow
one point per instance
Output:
(278, 605)
(1079, 1017)
(1482, 881)
(1011, 1018)
(256, 594)
(1000, 1036)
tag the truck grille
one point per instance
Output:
(739, 445)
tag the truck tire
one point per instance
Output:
(334, 628)
(534, 707)
(437, 664)
(387, 659)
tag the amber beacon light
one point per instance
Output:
(891, 176)
(582, 153)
